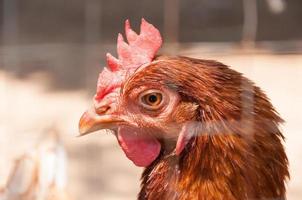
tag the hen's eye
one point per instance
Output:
(151, 99)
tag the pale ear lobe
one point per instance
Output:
(189, 129)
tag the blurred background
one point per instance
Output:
(51, 52)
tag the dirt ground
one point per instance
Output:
(97, 167)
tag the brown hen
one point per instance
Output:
(201, 130)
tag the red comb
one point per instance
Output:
(140, 50)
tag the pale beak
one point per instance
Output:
(90, 122)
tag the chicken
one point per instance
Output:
(39, 174)
(201, 130)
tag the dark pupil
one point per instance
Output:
(152, 98)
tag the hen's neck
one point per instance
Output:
(215, 167)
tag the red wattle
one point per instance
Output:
(141, 149)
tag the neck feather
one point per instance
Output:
(221, 166)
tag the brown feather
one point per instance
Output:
(238, 153)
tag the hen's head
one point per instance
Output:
(160, 104)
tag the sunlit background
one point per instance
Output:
(51, 52)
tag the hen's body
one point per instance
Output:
(40, 173)
(238, 154)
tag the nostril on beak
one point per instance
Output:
(102, 109)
